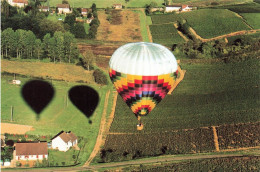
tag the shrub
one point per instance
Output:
(100, 77)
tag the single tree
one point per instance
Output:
(88, 59)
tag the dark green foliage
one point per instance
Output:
(70, 19)
(100, 77)
(6, 153)
(243, 8)
(165, 18)
(79, 31)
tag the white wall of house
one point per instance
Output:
(31, 157)
(59, 144)
(171, 9)
(187, 9)
(16, 4)
(64, 10)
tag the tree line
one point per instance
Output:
(23, 44)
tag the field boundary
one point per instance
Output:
(100, 133)
(215, 135)
(242, 32)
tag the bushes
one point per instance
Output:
(100, 77)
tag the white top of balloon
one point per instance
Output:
(143, 58)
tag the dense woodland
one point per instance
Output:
(28, 34)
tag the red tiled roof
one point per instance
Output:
(44, 7)
(63, 5)
(84, 10)
(20, 1)
(31, 148)
(66, 137)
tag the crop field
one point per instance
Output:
(124, 26)
(210, 95)
(245, 163)
(165, 34)
(165, 18)
(242, 8)
(252, 19)
(211, 23)
(106, 3)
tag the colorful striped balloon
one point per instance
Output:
(142, 73)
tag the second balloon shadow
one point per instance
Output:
(85, 99)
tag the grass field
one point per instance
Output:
(66, 72)
(106, 3)
(210, 94)
(144, 22)
(165, 18)
(165, 34)
(252, 19)
(211, 23)
(60, 113)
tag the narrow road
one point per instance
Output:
(136, 162)
(101, 132)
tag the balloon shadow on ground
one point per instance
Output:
(85, 99)
(37, 94)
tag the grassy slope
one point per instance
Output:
(143, 26)
(210, 94)
(210, 23)
(106, 3)
(59, 71)
(252, 19)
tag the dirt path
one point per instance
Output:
(180, 33)
(137, 162)
(215, 136)
(243, 32)
(15, 128)
(112, 114)
(101, 132)
(178, 80)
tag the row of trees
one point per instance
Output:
(23, 44)
(237, 50)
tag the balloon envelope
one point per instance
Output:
(142, 73)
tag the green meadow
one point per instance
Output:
(106, 3)
(210, 94)
(210, 23)
(253, 19)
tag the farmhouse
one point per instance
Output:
(31, 151)
(63, 8)
(177, 8)
(18, 3)
(16, 82)
(84, 11)
(117, 6)
(44, 8)
(64, 140)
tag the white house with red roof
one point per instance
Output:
(31, 151)
(18, 3)
(84, 11)
(177, 8)
(64, 8)
(64, 140)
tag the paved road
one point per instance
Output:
(127, 163)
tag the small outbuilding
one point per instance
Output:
(64, 141)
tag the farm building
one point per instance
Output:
(64, 140)
(64, 8)
(177, 8)
(117, 6)
(16, 82)
(44, 8)
(84, 11)
(31, 151)
(18, 3)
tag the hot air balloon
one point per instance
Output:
(142, 73)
